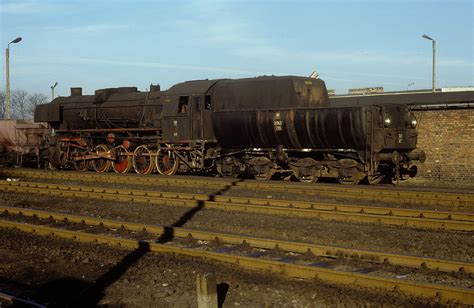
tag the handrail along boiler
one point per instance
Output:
(261, 126)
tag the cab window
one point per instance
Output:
(208, 104)
(183, 104)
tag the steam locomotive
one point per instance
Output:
(262, 127)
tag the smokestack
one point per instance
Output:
(155, 87)
(76, 91)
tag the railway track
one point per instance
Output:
(412, 196)
(301, 248)
(226, 248)
(326, 211)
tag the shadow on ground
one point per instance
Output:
(92, 294)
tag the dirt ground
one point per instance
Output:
(66, 273)
(61, 272)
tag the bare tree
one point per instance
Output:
(2, 101)
(22, 104)
(19, 101)
(34, 100)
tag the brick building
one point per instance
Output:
(447, 136)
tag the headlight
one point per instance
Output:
(387, 120)
(412, 121)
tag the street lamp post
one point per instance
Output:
(52, 89)
(7, 70)
(434, 60)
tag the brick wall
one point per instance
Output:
(447, 137)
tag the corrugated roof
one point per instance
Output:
(406, 98)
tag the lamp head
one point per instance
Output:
(17, 40)
(427, 37)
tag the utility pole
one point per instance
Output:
(433, 79)
(7, 114)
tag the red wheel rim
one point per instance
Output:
(143, 164)
(122, 161)
(122, 165)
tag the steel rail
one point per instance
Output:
(416, 197)
(10, 300)
(212, 202)
(443, 293)
(302, 248)
(326, 206)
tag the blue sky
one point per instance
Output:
(351, 44)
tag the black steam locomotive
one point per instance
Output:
(262, 127)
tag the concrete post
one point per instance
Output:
(206, 290)
(434, 67)
(7, 114)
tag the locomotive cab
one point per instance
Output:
(187, 112)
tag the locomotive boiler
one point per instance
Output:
(262, 127)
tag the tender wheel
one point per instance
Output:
(349, 176)
(101, 164)
(348, 172)
(123, 161)
(262, 168)
(308, 179)
(265, 176)
(306, 170)
(142, 160)
(349, 180)
(166, 162)
(375, 179)
(227, 167)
